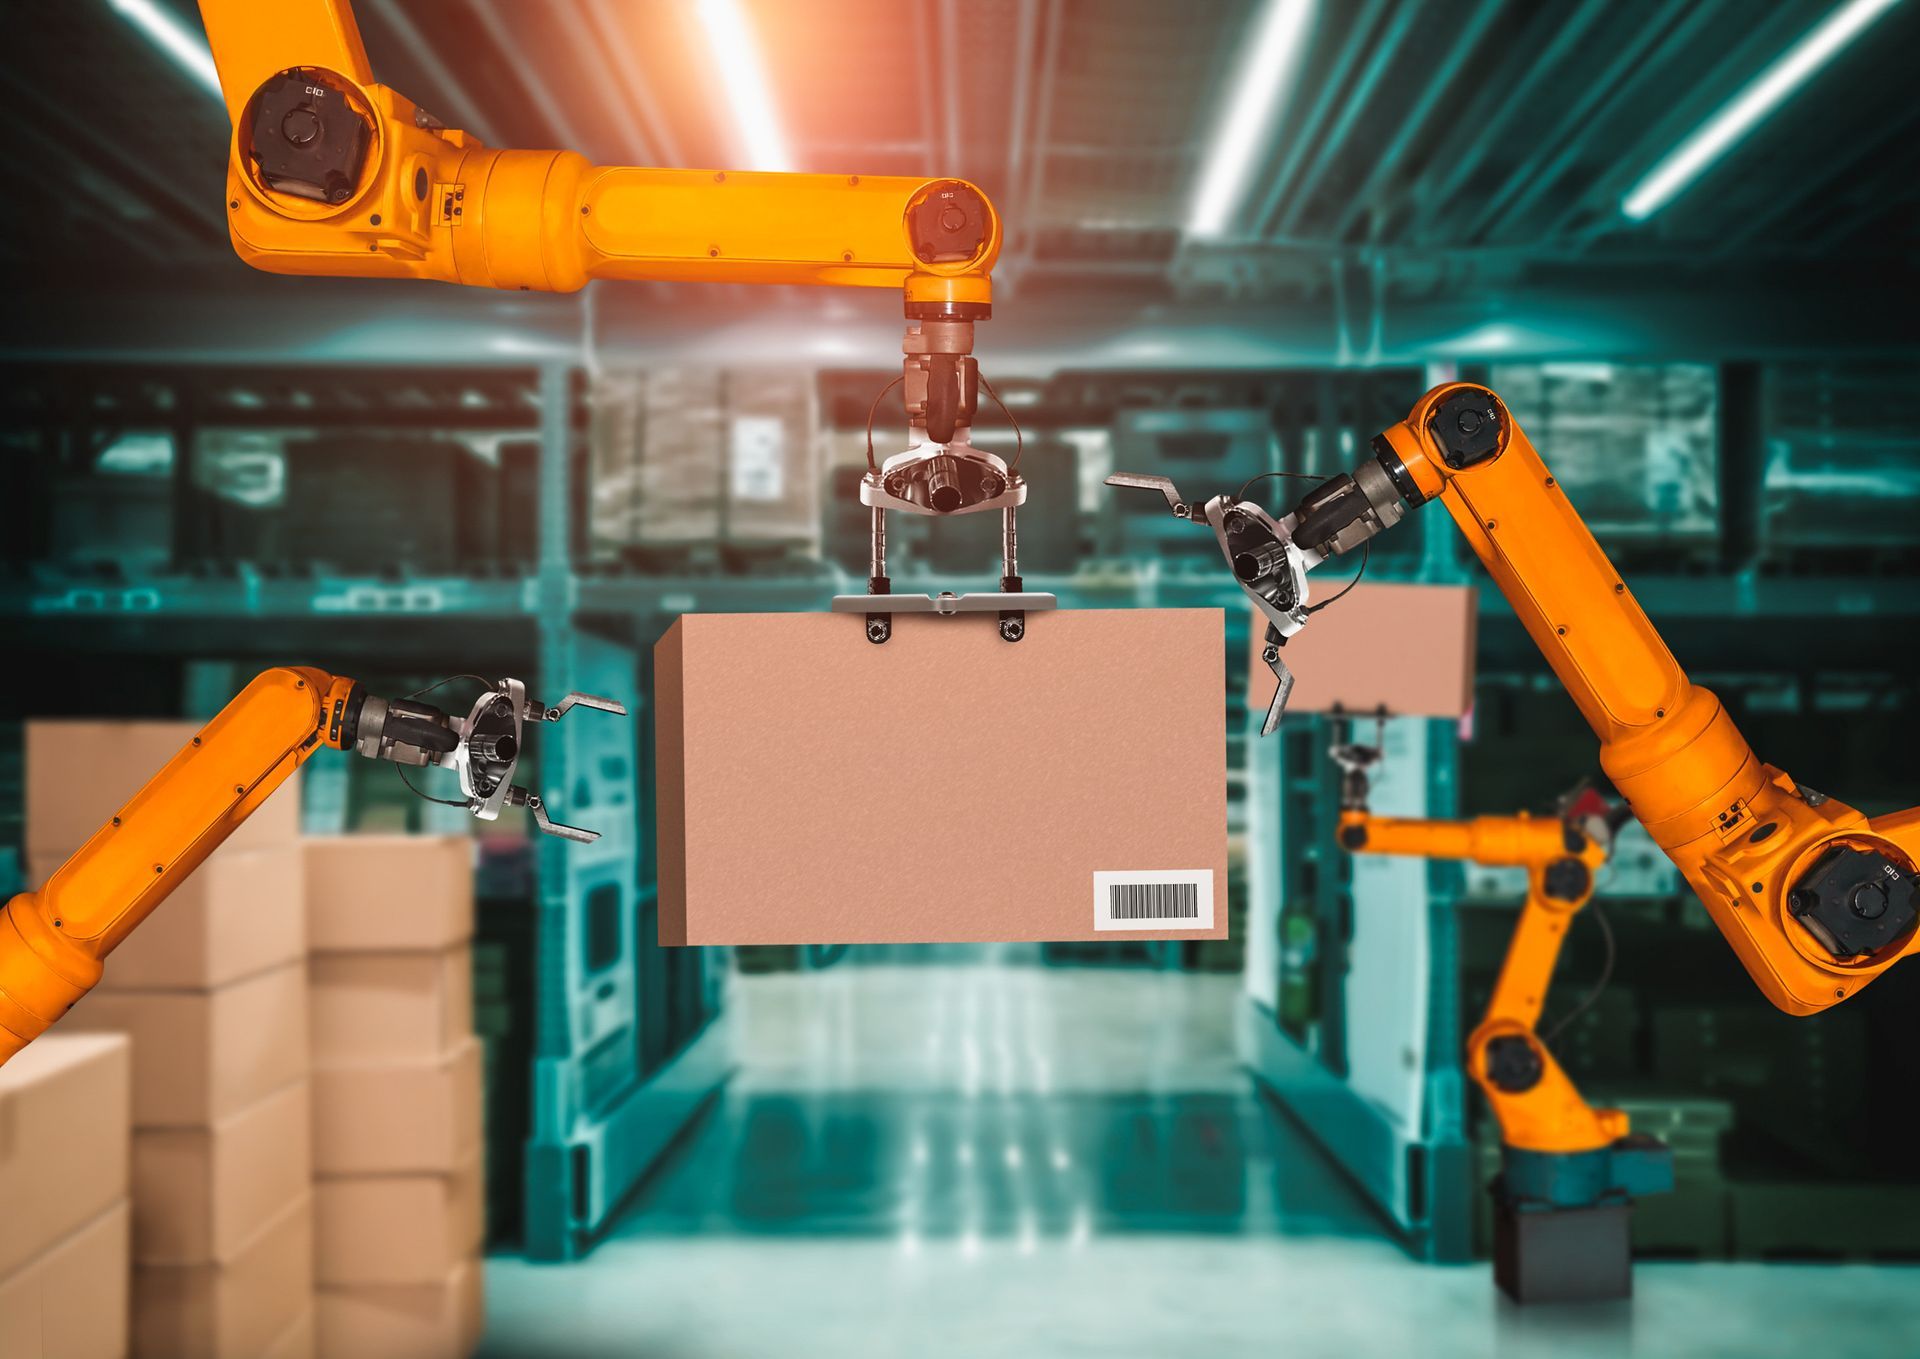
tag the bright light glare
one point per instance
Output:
(187, 48)
(743, 84)
(1263, 77)
(1708, 142)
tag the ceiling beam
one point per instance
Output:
(1548, 41)
(200, 218)
(1359, 99)
(1538, 172)
(1025, 40)
(1839, 163)
(1033, 191)
(591, 58)
(421, 51)
(950, 68)
(1734, 64)
(923, 87)
(512, 51)
(1332, 82)
(38, 161)
(1388, 165)
(639, 93)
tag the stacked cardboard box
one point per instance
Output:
(397, 1123)
(64, 1148)
(212, 991)
(687, 457)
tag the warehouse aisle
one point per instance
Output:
(962, 1158)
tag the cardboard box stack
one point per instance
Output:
(397, 1123)
(212, 991)
(64, 1234)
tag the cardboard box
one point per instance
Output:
(440, 1320)
(1409, 648)
(200, 1057)
(947, 786)
(241, 912)
(79, 773)
(387, 1007)
(235, 1310)
(64, 1139)
(201, 1194)
(374, 893)
(71, 1303)
(300, 1341)
(405, 1117)
(390, 1229)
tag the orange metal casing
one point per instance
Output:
(1550, 1115)
(436, 204)
(53, 941)
(1668, 745)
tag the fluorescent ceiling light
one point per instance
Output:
(1711, 140)
(743, 83)
(165, 31)
(1242, 132)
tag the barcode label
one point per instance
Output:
(1166, 899)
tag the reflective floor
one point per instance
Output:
(981, 1155)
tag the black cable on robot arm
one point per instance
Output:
(873, 466)
(401, 770)
(1366, 555)
(1599, 986)
(1019, 439)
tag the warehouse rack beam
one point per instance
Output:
(49, 597)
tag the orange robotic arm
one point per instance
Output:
(53, 941)
(1538, 1107)
(1816, 899)
(331, 173)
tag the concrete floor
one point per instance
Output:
(991, 1157)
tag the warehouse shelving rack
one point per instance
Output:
(600, 1120)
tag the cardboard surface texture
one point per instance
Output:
(440, 1320)
(71, 1302)
(384, 893)
(202, 1056)
(385, 1007)
(64, 1103)
(393, 1229)
(241, 912)
(201, 1194)
(234, 1310)
(947, 786)
(79, 773)
(1409, 647)
(420, 1116)
(298, 1342)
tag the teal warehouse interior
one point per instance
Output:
(1240, 237)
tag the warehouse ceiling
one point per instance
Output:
(1420, 151)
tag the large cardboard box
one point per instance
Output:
(201, 1194)
(389, 1229)
(947, 786)
(375, 893)
(298, 1341)
(387, 1007)
(71, 1303)
(64, 1139)
(404, 1117)
(1407, 648)
(440, 1320)
(200, 1057)
(79, 773)
(235, 1310)
(241, 912)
